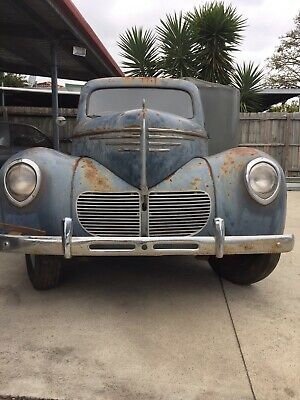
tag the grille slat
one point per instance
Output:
(119, 214)
(178, 213)
(109, 214)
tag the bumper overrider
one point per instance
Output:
(218, 245)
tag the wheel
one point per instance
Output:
(44, 271)
(245, 269)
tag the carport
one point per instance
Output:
(51, 38)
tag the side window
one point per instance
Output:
(27, 136)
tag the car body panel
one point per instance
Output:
(96, 166)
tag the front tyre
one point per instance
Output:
(245, 269)
(44, 271)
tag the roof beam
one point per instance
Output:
(28, 56)
(80, 36)
(51, 34)
(42, 26)
(31, 32)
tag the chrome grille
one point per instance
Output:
(109, 214)
(178, 213)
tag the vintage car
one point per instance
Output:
(154, 171)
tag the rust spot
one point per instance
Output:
(144, 80)
(22, 230)
(195, 183)
(94, 178)
(233, 155)
(244, 151)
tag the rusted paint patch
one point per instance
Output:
(23, 230)
(94, 178)
(195, 183)
(145, 80)
(244, 151)
(232, 157)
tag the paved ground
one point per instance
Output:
(152, 329)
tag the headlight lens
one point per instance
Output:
(22, 181)
(263, 180)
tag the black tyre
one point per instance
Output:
(44, 271)
(245, 269)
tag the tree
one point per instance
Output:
(12, 80)
(248, 78)
(217, 32)
(176, 43)
(200, 44)
(291, 107)
(140, 52)
(284, 64)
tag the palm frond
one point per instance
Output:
(176, 47)
(139, 51)
(217, 30)
(248, 78)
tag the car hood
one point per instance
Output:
(114, 140)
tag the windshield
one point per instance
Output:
(172, 101)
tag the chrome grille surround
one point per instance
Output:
(178, 213)
(109, 214)
(119, 214)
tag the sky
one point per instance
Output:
(266, 20)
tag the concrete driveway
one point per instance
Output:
(152, 329)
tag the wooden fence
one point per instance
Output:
(277, 134)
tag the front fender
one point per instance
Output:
(242, 214)
(52, 203)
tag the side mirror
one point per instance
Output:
(4, 135)
(61, 121)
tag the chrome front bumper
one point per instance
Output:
(218, 245)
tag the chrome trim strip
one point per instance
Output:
(143, 182)
(220, 235)
(181, 131)
(38, 175)
(147, 246)
(143, 139)
(201, 134)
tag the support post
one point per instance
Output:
(55, 128)
(4, 110)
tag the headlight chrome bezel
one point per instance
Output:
(255, 195)
(35, 191)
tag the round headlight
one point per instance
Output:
(263, 180)
(22, 181)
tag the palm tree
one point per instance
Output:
(176, 43)
(199, 44)
(139, 51)
(248, 78)
(217, 31)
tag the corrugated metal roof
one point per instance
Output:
(29, 27)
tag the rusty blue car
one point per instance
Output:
(154, 170)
